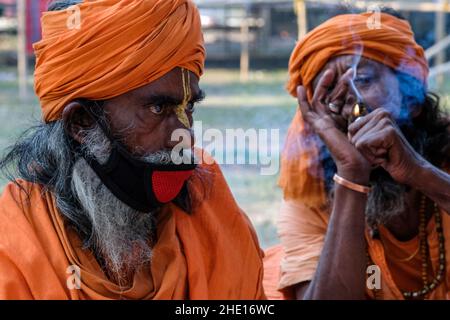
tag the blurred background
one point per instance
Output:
(248, 45)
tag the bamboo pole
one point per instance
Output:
(245, 56)
(300, 10)
(21, 49)
(440, 35)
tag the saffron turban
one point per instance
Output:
(392, 44)
(117, 46)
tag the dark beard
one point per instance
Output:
(386, 199)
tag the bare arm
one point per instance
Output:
(432, 182)
(341, 270)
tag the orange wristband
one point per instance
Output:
(351, 185)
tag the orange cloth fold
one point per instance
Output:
(393, 44)
(120, 45)
(398, 276)
(195, 256)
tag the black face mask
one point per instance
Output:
(141, 185)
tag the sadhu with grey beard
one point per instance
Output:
(98, 208)
(371, 192)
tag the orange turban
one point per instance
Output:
(120, 45)
(392, 44)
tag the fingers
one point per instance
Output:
(373, 124)
(376, 115)
(322, 89)
(375, 144)
(380, 152)
(338, 95)
(303, 104)
(336, 100)
(371, 135)
(302, 100)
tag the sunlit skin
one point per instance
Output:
(144, 118)
(374, 140)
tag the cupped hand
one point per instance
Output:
(350, 162)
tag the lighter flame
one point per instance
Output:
(356, 110)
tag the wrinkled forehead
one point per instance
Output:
(175, 83)
(171, 85)
(348, 61)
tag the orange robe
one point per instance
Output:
(195, 256)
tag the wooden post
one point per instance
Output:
(439, 35)
(302, 25)
(21, 49)
(266, 29)
(245, 58)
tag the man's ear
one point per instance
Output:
(76, 119)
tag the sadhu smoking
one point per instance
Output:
(354, 191)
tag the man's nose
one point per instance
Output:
(181, 137)
(178, 134)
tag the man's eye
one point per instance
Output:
(157, 109)
(190, 107)
(363, 79)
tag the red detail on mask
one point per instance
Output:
(167, 184)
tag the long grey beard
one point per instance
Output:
(385, 201)
(120, 234)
